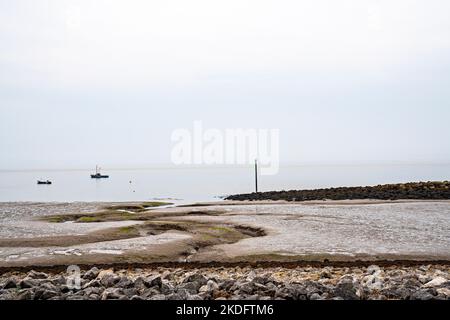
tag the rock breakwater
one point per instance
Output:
(426, 282)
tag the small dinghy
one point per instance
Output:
(44, 182)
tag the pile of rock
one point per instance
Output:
(414, 190)
(303, 283)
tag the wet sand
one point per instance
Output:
(339, 231)
(228, 232)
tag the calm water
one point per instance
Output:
(199, 184)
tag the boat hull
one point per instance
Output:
(99, 176)
(44, 182)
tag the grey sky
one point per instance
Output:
(86, 82)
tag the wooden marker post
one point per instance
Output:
(256, 175)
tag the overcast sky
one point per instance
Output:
(350, 81)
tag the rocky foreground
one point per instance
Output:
(303, 283)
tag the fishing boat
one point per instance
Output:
(44, 182)
(98, 175)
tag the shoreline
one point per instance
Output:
(225, 202)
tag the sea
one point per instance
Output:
(194, 184)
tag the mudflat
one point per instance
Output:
(52, 234)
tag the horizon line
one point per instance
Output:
(236, 166)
